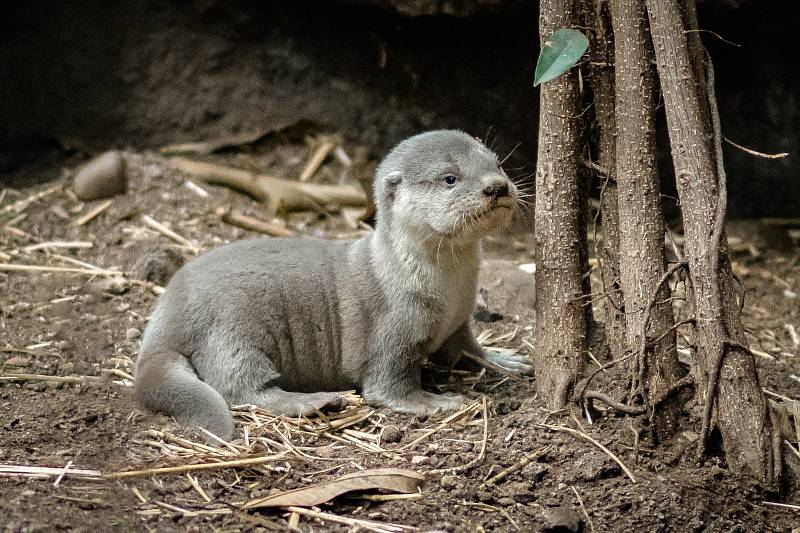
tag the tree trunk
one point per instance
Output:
(739, 408)
(560, 319)
(601, 78)
(641, 221)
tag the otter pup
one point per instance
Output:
(281, 323)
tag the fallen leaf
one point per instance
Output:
(392, 479)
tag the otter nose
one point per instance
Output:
(496, 189)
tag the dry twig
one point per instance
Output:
(584, 436)
(92, 214)
(254, 224)
(369, 525)
(161, 228)
(316, 159)
(276, 193)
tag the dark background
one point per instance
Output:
(92, 75)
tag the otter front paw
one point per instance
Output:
(423, 403)
(510, 361)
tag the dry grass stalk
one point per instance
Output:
(783, 505)
(793, 335)
(138, 495)
(21, 205)
(294, 521)
(369, 525)
(256, 225)
(316, 159)
(584, 436)
(252, 461)
(583, 508)
(195, 188)
(187, 512)
(63, 473)
(519, 465)
(466, 413)
(164, 230)
(390, 497)
(58, 244)
(492, 509)
(91, 215)
(46, 472)
(196, 486)
(54, 379)
(10, 267)
(482, 452)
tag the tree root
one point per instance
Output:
(277, 194)
(639, 364)
(617, 406)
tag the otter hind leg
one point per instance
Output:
(246, 373)
(167, 383)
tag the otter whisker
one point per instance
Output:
(486, 136)
(522, 177)
(523, 201)
(509, 154)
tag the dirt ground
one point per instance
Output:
(87, 328)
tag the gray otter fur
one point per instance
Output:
(283, 323)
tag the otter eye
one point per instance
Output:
(450, 179)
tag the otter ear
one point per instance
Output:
(392, 180)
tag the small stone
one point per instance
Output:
(391, 434)
(506, 501)
(18, 360)
(420, 460)
(65, 345)
(534, 471)
(504, 407)
(563, 520)
(484, 496)
(157, 265)
(112, 285)
(594, 466)
(520, 491)
(449, 482)
(60, 212)
(133, 333)
(103, 177)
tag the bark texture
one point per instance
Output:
(601, 78)
(641, 220)
(560, 319)
(739, 408)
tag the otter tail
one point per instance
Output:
(167, 383)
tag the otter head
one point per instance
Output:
(443, 183)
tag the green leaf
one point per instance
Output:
(560, 52)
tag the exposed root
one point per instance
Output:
(277, 194)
